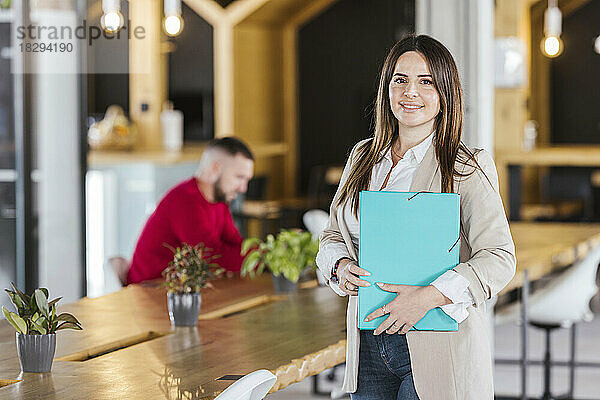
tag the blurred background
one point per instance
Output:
(92, 135)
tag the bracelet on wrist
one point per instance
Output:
(334, 275)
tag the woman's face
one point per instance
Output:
(413, 97)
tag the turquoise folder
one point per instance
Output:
(410, 239)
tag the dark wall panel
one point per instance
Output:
(7, 133)
(191, 76)
(340, 56)
(575, 79)
(106, 89)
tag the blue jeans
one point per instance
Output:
(384, 371)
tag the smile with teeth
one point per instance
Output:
(410, 107)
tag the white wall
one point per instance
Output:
(55, 101)
(466, 27)
(119, 199)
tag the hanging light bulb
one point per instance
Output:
(173, 22)
(552, 45)
(597, 44)
(112, 20)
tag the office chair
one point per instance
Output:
(253, 386)
(315, 221)
(561, 304)
(323, 181)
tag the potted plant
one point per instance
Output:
(36, 323)
(185, 277)
(286, 256)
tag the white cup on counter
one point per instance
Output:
(171, 122)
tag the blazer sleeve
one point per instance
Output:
(492, 263)
(332, 246)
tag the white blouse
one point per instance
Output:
(450, 284)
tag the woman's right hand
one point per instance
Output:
(349, 276)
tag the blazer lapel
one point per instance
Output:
(427, 171)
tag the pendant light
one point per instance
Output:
(112, 20)
(173, 22)
(552, 45)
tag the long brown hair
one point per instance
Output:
(448, 124)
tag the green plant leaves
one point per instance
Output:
(16, 300)
(69, 325)
(41, 301)
(250, 262)
(53, 302)
(17, 322)
(67, 318)
(249, 243)
(289, 254)
(191, 269)
(38, 327)
(23, 297)
(36, 315)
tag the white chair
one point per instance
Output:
(563, 302)
(253, 386)
(115, 274)
(315, 221)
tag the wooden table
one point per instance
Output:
(543, 247)
(509, 167)
(243, 327)
(294, 336)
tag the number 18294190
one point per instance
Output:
(46, 47)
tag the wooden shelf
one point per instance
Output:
(567, 156)
(551, 156)
(190, 153)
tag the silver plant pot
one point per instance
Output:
(36, 352)
(283, 285)
(184, 308)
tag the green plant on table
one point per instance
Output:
(290, 253)
(36, 315)
(191, 269)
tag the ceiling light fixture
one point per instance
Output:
(112, 20)
(552, 45)
(173, 22)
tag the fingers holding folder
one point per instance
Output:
(349, 275)
(407, 308)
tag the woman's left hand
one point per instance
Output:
(409, 306)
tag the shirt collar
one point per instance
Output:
(415, 153)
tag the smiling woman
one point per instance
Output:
(413, 96)
(416, 147)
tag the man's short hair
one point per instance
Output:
(231, 146)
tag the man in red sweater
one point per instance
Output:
(196, 210)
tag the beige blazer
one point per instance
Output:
(447, 365)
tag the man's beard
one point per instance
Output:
(220, 196)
